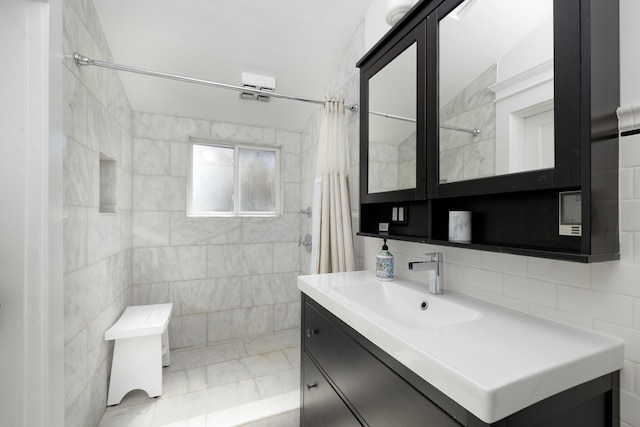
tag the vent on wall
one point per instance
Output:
(257, 82)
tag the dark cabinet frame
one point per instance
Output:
(392, 49)
(516, 213)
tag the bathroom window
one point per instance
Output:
(233, 180)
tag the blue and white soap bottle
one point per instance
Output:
(384, 264)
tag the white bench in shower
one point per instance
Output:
(141, 350)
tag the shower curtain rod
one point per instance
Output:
(474, 132)
(82, 60)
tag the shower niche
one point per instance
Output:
(515, 104)
(108, 184)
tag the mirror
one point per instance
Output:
(496, 96)
(392, 124)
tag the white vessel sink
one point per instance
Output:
(406, 306)
(491, 360)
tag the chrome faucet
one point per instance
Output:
(436, 264)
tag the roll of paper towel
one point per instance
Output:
(460, 226)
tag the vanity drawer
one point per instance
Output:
(380, 396)
(322, 405)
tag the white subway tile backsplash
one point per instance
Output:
(608, 307)
(483, 279)
(627, 376)
(465, 257)
(570, 273)
(630, 151)
(617, 278)
(531, 290)
(629, 408)
(625, 184)
(505, 263)
(629, 214)
(555, 315)
(626, 248)
(636, 315)
(506, 301)
(636, 183)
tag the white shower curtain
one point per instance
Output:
(332, 249)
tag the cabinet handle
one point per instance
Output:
(311, 332)
(310, 386)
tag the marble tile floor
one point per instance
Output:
(248, 383)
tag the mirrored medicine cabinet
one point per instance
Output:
(496, 107)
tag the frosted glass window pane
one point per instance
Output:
(257, 180)
(212, 186)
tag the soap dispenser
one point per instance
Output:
(384, 264)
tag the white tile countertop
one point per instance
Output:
(491, 360)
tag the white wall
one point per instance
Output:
(30, 223)
(603, 297)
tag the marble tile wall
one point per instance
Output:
(229, 278)
(392, 166)
(383, 167)
(462, 155)
(97, 246)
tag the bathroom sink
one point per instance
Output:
(405, 306)
(491, 360)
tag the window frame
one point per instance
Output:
(236, 146)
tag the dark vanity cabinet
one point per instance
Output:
(348, 381)
(543, 102)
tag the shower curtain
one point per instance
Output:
(332, 236)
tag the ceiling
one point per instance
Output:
(299, 42)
